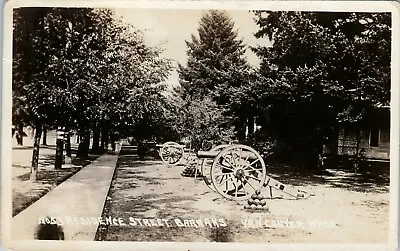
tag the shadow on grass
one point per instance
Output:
(51, 176)
(373, 178)
(56, 175)
(84, 162)
(47, 180)
(369, 179)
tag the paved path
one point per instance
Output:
(82, 195)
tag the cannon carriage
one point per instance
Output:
(234, 171)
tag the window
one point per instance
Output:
(374, 138)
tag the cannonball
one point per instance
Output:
(258, 192)
(250, 201)
(254, 196)
(263, 202)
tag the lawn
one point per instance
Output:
(25, 193)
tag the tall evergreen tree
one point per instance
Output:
(216, 65)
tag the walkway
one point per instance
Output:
(76, 201)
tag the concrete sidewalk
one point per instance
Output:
(73, 203)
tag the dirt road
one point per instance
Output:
(155, 203)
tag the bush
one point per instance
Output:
(262, 143)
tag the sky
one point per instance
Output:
(169, 28)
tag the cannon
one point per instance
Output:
(234, 171)
(171, 152)
(238, 171)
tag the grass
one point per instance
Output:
(26, 193)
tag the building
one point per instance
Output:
(371, 140)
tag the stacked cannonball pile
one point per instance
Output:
(191, 171)
(257, 202)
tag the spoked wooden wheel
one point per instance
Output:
(237, 172)
(206, 166)
(171, 153)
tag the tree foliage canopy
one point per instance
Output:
(322, 69)
(83, 67)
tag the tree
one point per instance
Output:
(137, 78)
(80, 68)
(31, 105)
(199, 120)
(322, 69)
(216, 65)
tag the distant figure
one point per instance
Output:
(320, 164)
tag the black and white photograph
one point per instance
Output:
(200, 125)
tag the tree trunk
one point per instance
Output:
(141, 150)
(104, 138)
(83, 148)
(250, 125)
(20, 134)
(112, 139)
(35, 155)
(358, 154)
(68, 142)
(44, 142)
(240, 130)
(96, 140)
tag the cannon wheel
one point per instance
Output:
(237, 172)
(171, 153)
(206, 166)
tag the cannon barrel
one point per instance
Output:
(213, 154)
(176, 145)
(207, 154)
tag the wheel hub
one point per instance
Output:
(239, 173)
